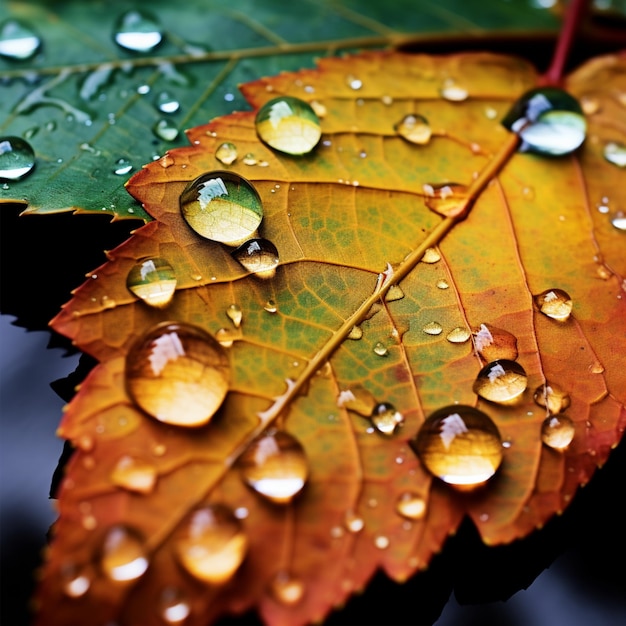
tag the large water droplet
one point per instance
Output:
(460, 445)
(493, 343)
(258, 256)
(166, 102)
(123, 555)
(18, 42)
(137, 31)
(548, 120)
(501, 381)
(552, 398)
(287, 589)
(222, 206)
(178, 374)
(17, 158)
(554, 303)
(289, 125)
(411, 505)
(173, 606)
(152, 280)
(385, 418)
(165, 130)
(134, 474)
(557, 431)
(226, 153)
(275, 466)
(213, 544)
(615, 153)
(414, 128)
(447, 199)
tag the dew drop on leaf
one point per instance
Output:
(153, 280)
(460, 445)
(501, 381)
(212, 544)
(234, 314)
(74, 582)
(557, 431)
(174, 608)
(270, 306)
(442, 284)
(287, 589)
(394, 293)
(137, 31)
(356, 332)
(414, 128)
(554, 303)
(354, 523)
(18, 41)
(258, 256)
(493, 343)
(275, 466)
(411, 505)
(619, 221)
(615, 153)
(357, 399)
(17, 158)
(552, 398)
(548, 120)
(165, 130)
(178, 374)
(122, 167)
(453, 92)
(222, 206)
(381, 542)
(460, 334)
(433, 328)
(289, 125)
(123, 555)
(380, 349)
(166, 102)
(249, 159)
(353, 82)
(134, 474)
(226, 153)
(447, 199)
(385, 418)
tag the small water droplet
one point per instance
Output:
(134, 474)
(17, 158)
(411, 505)
(173, 606)
(358, 400)
(596, 368)
(442, 284)
(226, 153)
(494, 343)
(447, 199)
(394, 293)
(548, 121)
(431, 255)
(353, 82)
(460, 445)
(74, 582)
(491, 113)
(453, 92)
(122, 167)
(380, 349)
(354, 523)
(554, 303)
(589, 105)
(552, 398)
(287, 589)
(557, 431)
(318, 108)
(222, 206)
(234, 314)
(381, 542)
(258, 256)
(618, 220)
(249, 159)
(433, 328)
(123, 556)
(460, 334)
(212, 544)
(356, 332)
(165, 130)
(385, 418)
(227, 336)
(18, 41)
(178, 374)
(414, 128)
(270, 306)
(275, 466)
(501, 381)
(152, 280)
(137, 31)
(166, 102)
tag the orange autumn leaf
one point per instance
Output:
(380, 313)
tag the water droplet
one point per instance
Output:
(552, 398)
(414, 128)
(615, 153)
(433, 328)
(227, 336)
(165, 130)
(74, 582)
(123, 556)
(394, 293)
(275, 466)
(354, 523)
(134, 474)
(453, 92)
(447, 199)
(554, 303)
(385, 418)
(137, 31)
(494, 343)
(226, 153)
(460, 445)
(258, 256)
(288, 125)
(153, 280)
(222, 206)
(249, 159)
(501, 381)
(358, 400)
(381, 542)
(356, 332)
(460, 334)
(353, 82)
(548, 120)
(442, 284)
(287, 589)
(166, 102)
(589, 105)
(178, 374)
(411, 505)
(122, 167)
(18, 41)
(173, 606)
(491, 113)
(213, 544)
(431, 255)
(17, 158)
(557, 431)
(596, 368)
(318, 108)
(380, 349)
(618, 220)
(234, 314)
(270, 306)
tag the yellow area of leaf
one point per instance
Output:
(340, 218)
